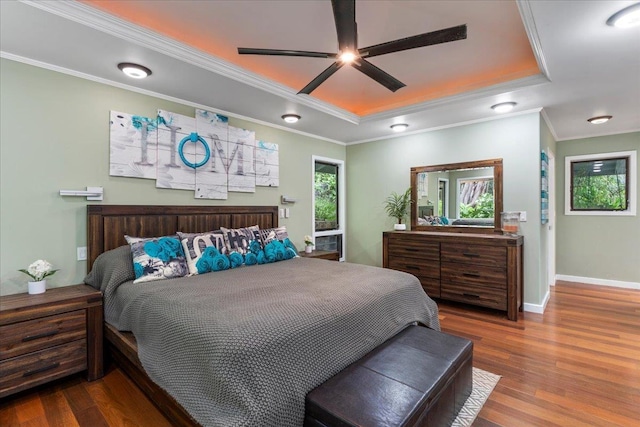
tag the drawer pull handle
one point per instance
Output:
(471, 295)
(471, 274)
(38, 336)
(412, 250)
(471, 254)
(43, 369)
(413, 267)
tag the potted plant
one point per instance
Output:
(38, 270)
(308, 244)
(397, 206)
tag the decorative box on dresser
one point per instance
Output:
(48, 336)
(479, 269)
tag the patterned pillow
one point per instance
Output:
(157, 258)
(239, 239)
(203, 250)
(276, 244)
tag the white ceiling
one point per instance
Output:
(586, 67)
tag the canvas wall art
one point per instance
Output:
(201, 154)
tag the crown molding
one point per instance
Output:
(499, 88)
(547, 120)
(74, 73)
(599, 135)
(452, 125)
(101, 21)
(524, 7)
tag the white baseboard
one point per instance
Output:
(602, 282)
(537, 308)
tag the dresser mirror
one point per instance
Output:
(457, 197)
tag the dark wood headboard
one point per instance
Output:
(107, 224)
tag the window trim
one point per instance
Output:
(342, 197)
(632, 182)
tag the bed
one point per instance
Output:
(241, 346)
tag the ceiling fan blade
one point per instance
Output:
(344, 13)
(321, 77)
(378, 75)
(421, 40)
(283, 52)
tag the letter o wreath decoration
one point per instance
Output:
(194, 137)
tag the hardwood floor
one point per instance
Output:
(578, 365)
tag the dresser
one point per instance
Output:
(478, 269)
(48, 336)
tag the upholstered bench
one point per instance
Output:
(420, 377)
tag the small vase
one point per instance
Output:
(37, 287)
(400, 227)
(308, 249)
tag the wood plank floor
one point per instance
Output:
(578, 365)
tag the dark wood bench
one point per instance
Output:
(420, 377)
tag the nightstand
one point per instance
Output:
(48, 336)
(330, 255)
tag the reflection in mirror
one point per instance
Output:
(459, 195)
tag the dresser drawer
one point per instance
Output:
(474, 294)
(33, 335)
(416, 267)
(474, 274)
(493, 256)
(22, 372)
(410, 248)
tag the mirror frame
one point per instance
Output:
(497, 188)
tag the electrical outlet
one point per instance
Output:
(523, 216)
(82, 253)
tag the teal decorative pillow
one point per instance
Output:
(239, 239)
(201, 259)
(276, 245)
(157, 258)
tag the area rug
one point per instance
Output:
(483, 384)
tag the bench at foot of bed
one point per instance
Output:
(420, 377)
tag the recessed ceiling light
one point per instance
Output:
(399, 127)
(291, 118)
(599, 120)
(134, 70)
(627, 17)
(503, 107)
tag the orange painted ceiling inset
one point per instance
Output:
(497, 49)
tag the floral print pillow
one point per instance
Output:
(157, 258)
(239, 239)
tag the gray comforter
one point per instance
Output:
(243, 347)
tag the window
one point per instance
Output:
(475, 197)
(328, 202)
(601, 184)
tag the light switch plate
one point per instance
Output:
(82, 253)
(523, 216)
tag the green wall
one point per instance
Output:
(597, 247)
(376, 169)
(54, 134)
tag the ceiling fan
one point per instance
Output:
(344, 13)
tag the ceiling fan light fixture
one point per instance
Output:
(134, 70)
(348, 57)
(599, 120)
(503, 107)
(291, 118)
(399, 127)
(626, 18)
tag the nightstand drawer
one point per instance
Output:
(33, 335)
(22, 372)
